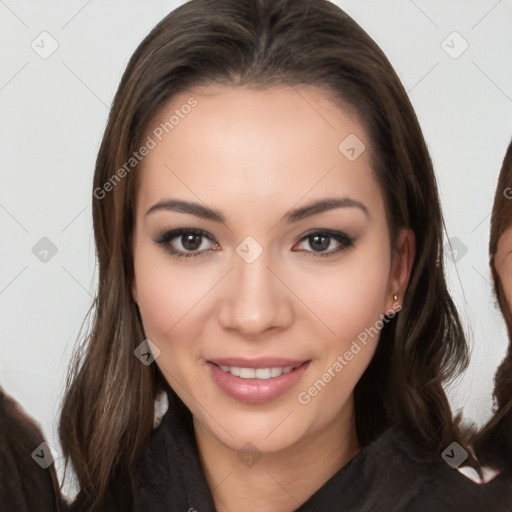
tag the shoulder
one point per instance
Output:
(169, 475)
(394, 474)
(453, 492)
(497, 492)
(441, 487)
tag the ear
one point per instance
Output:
(401, 266)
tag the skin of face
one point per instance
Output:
(254, 155)
(503, 263)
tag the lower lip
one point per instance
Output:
(256, 391)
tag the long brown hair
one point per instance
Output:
(493, 444)
(24, 485)
(108, 410)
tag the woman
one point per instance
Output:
(27, 476)
(493, 444)
(269, 240)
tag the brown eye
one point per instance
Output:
(320, 241)
(190, 240)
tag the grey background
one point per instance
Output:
(54, 111)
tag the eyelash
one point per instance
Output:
(165, 238)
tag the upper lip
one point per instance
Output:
(263, 362)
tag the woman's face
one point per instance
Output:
(277, 278)
(503, 263)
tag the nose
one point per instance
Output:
(255, 298)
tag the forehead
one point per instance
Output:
(239, 143)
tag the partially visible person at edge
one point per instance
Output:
(25, 484)
(493, 443)
(266, 214)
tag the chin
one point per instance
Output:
(269, 431)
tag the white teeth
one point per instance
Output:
(276, 372)
(263, 373)
(247, 373)
(256, 373)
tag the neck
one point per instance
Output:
(280, 481)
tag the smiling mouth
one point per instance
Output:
(256, 381)
(257, 373)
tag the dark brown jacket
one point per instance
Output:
(392, 474)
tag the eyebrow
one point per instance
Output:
(290, 217)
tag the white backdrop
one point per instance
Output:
(59, 68)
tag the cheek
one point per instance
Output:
(503, 262)
(350, 302)
(352, 310)
(351, 296)
(357, 323)
(167, 297)
(504, 270)
(158, 301)
(165, 292)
